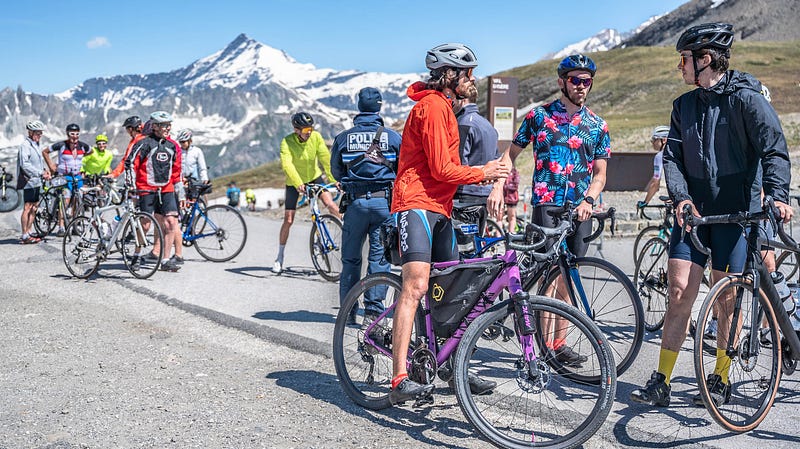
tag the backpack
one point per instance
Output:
(158, 163)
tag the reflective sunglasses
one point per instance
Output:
(467, 72)
(307, 129)
(585, 82)
(163, 125)
(74, 134)
(684, 58)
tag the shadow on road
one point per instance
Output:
(304, 273)
(416, 422)
(300, 316)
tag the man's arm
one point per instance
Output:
(324, 156)
(651, 188)
(287, 164)
(495, 201)
(202, 168)
(47, 160)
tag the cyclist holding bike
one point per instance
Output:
(31, 170)
(571, 145)
(133, 126)
(367, 185)
(428, 175)
(725, 143)
(70, 153)
(659, 141)
(301, 153)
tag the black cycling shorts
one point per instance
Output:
(575, 241)
(425, 236)
(31, 195)
(292, 195)
(164, 204)
(726, 241)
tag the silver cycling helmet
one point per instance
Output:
(660, 132)
(35, 125)
(184, 135)
(160, 117)
(451, 55)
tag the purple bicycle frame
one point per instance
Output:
(507, 278)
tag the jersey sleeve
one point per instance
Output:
(287, 164)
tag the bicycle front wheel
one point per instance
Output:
(221, 233)
(142, 245)
(650, 279)
(9, 199)
(46, 216)
(364, 365)
(326, 247)
(753, 374)
(613, 305)
(80, 247)
(533, 403)
(787, 264)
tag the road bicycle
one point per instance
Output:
(51, 205)
(9, 197)
(746, 305)
(325, 243)
(137, 235)
(217, 232)
(538, 400)
(597, 287)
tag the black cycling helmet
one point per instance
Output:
(302, 120)
(708, 35)
(73, 127)
(132, 122)
(576, 62)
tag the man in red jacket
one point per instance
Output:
(428, 174)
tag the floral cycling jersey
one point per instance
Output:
(565, 149)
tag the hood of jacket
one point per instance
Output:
(368, 118)
(419, 90)
(733, 81)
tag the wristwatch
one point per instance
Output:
(589, 200)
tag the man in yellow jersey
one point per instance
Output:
(98, 162)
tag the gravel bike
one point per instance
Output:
(9, 197)
(51, 205)
(137, 235)
(217, 232)
(596, 287)
(325, 243)
(745, 305)
(538, 401)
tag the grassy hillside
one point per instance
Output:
(633, 91)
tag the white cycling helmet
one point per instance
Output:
(660, 132)
(184, 135)
(160, 117)
(451, 55)
(35, 125)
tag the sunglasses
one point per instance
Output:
(305, 130)
(163, 125)
(585, 82)
(74, 134)
(684, 58)
(467, 72)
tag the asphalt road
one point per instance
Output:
(232, 355)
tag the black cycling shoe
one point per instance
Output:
(655, 392)
(720, 392)
(407, 390)
(477, 385)
(566, 356)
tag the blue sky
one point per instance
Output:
(54, 45)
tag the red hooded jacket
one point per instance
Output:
(430, 170)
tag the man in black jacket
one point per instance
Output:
(725, 144)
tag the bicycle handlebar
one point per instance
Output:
(601, 218)
(532, 231)
(319, 188)
(768, 212)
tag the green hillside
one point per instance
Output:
(633, 90)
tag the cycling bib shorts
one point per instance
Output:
(425, 236)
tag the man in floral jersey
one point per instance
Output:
(570, 147)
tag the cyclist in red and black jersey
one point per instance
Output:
(133, 125)
(70, 154)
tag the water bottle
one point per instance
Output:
(783, 291)
(115, 223)
(795, 317)
(105, 230)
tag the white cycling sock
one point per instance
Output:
(280, 253)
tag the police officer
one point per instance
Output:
(367, 185)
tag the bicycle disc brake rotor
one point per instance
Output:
(746, 361)
(423, 366)
(532, 378)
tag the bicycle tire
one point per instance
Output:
(9, 199)
(46, 217)
(228, 237)
(364, 371)
(650, 279)
(79, 249)
(649, 231)
(327, 258)
(741, 413)
(537, 407)
(787, 264)
(616, 306)
(148, 236)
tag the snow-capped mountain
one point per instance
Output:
(604, 40)
(237, 101)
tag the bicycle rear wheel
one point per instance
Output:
(326, 247)
(650, 279)
(753, 378)
(46, 216)
(9, 199)
(223, 232)
(787, 264)
(364, 366)
(142, 245)
(79, 249)
(613, 303)
(644, 236)
(535, 406)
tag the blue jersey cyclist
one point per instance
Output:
(69, 153)
(571, 146)
(367, 184)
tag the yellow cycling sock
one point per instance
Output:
(723, 365)
(666, 362)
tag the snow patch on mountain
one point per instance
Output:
(604, 40)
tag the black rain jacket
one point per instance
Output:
(724, 144)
